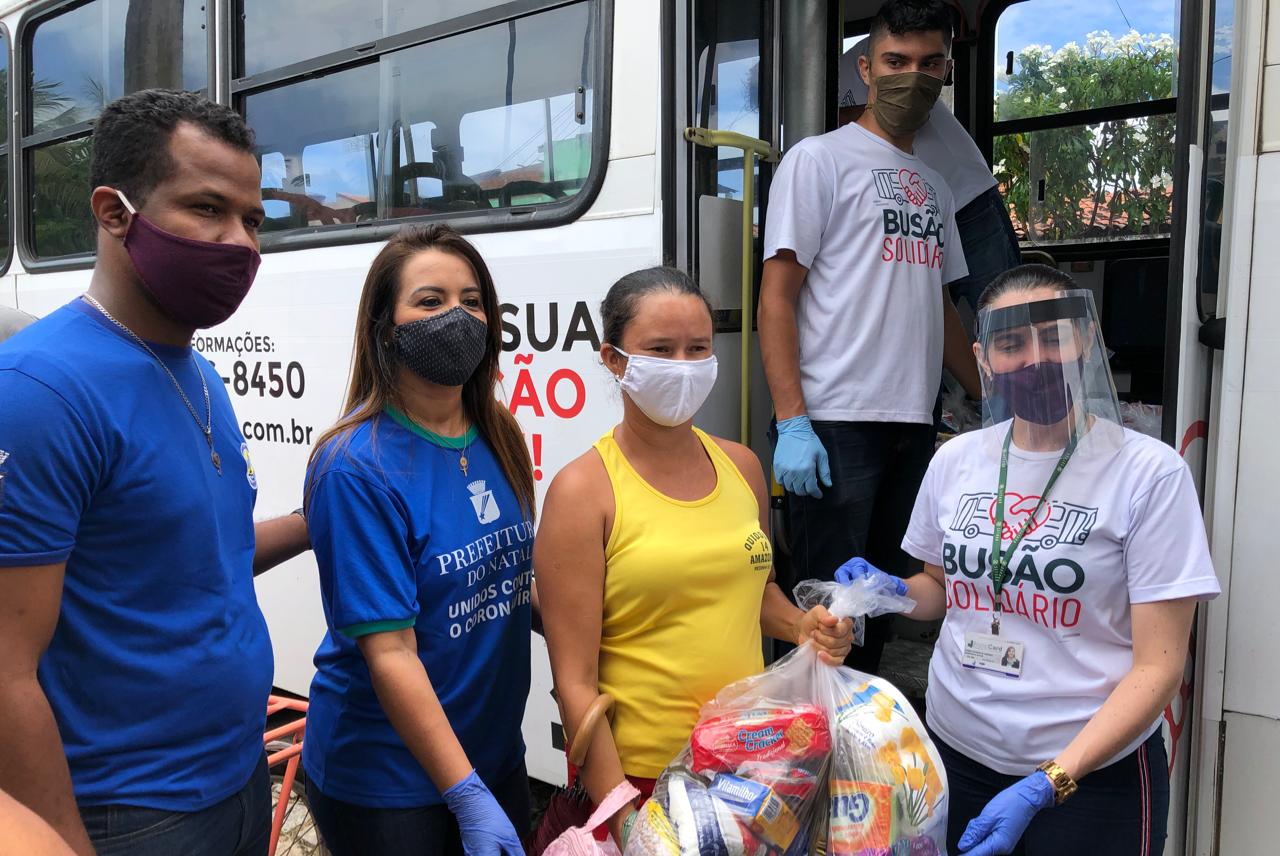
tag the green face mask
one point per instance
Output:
(903, 101)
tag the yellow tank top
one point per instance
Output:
(682, 590)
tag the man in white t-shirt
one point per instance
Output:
(986, 232)
(860, 241)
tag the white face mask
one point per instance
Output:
(668, 391)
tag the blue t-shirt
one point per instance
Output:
(160, 666)
(404, 539)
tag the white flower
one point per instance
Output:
(1128, 41)
(1070, 50)
(1100, 42)
(1062, 105)
(1061, 90)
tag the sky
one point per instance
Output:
(1056, 23)
(1061, 21)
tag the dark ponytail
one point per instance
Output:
(1026, 278)
(624, 297)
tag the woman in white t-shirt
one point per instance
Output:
(1056, 671)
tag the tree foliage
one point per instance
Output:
(1111, 179)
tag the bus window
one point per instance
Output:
(727, 41)
(731, 49)
(491, 118)
(6, 242)
(1213, 191)
(78, 60)
(281, 32)
(1083, 140)
(315, 138)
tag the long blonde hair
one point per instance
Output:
(373, 366)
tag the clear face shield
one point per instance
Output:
(1044, 365)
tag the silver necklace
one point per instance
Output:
(207, 427)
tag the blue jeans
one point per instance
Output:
(876, 470)
(356, 830)
(238, 826)
(1120, 810)
(990, 245)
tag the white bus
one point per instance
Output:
(1143, 159)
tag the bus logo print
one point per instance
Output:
(902, 187)
(483, 502)
(1017, 508)
(913, 186)
(1057, 523)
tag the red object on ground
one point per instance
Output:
(289, 756)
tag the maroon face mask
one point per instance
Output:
(196, 282)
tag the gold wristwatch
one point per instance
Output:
(1063, 785)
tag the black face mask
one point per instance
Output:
(444, 349)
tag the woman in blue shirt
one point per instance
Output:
(420, 504)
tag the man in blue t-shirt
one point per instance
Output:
(133, 640)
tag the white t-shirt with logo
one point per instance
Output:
(1122, 525)
(942, 142)
(877, 230)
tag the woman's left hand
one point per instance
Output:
(832, 636)
(1000, 826)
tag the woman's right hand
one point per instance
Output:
(486, 830)
(833, 637)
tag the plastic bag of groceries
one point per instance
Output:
(886, 786)
(802, 758)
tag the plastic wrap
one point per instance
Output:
(803, 758)
(1143, 418)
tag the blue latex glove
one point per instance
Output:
(800, 462)
(1000, 826)
(485, 828)
(860, 569)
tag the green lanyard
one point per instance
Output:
(1000, 560)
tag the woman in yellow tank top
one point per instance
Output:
(653, 561)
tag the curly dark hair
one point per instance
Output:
(131, 137)
(900, 17)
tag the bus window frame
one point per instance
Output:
(6, 150)
(22, 142)
(539, 216)
(986, 129)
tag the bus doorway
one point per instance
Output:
(1105, 130)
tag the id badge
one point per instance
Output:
(993, 654)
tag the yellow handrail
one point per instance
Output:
(752, 149)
